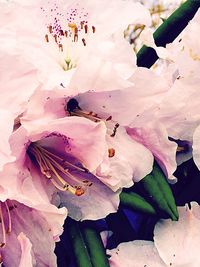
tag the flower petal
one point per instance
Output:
(26, 246)
(135, 254)
(178, 242)
(96, 203)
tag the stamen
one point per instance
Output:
(9, 219)
(111, 152)
(52, 165)
(84, 41)
(47, 38)
(82, 23)
(48, 153)
(67, 29)
(50, 29)
(86, 28)
(61, 47)
(115, 130)
(3, 243)
(74, 109)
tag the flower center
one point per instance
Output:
(58, 170)
(68, 30)
(73, 108)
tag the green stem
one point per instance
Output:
(168, 31)
(79, 249)
(94, 245)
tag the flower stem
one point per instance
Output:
(168, 31)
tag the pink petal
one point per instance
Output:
(154, 137)
(96, 203)
(6, 128)
(176, 112)
(178, 242)
(131, 162)
(135, 254)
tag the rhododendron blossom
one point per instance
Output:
(127, 113)
(26, 237)
(60, 157)
(67, 34)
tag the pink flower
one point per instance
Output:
(55, 162)
(175, 244)
(133, 137)
(27, 237)
(68, 34)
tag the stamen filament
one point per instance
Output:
(92, 116)
(3, 243)
(50, 165)
(48, 153)
(9, 219)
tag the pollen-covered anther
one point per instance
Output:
(86, 28)
(84, 41)
(111, 152)
(79, 191)
(47, 38)
(60, 47)
(50, 29)
(115, 130)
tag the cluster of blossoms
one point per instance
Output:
(80, 121)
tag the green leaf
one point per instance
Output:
(136, 202)
(81, 255)
(94, 245)
(158, 189)
(168, 31)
